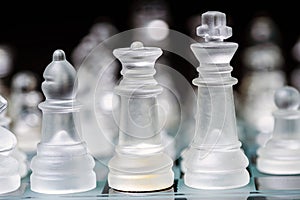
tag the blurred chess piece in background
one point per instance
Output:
(16, 153)
(295, 74)
(263, 74)
(154, 18)
(10, 169)
(24, 112)
(6, 65)
(96, 81)
(99, 32)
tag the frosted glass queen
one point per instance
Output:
(215, 160)
(139, 163)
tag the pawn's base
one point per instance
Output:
(280, 157)
(278, 167)
(146, 173)
(217, 180)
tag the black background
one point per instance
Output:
(36, 29)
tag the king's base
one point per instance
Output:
(278, 167)
(217, 180)
(9, 184)
(216, 168)
(62, 184)
(147, 182)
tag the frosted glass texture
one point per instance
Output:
(62, 164)
(10, 179)
(280, 155)
(215, 160)
(139, 163)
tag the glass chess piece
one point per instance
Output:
(62, 164)
(16, 153)
(214, 159)
(24, 112)
(139, 163)
(10, 179)
(263, 61)
(280, 155)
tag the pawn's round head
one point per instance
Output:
(60, 78)
(287, 98)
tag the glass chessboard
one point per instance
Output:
(261, 186)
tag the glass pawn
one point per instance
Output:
(214, 159)
(10, 179)
(139, 163)
(62, 164)
(280, 155)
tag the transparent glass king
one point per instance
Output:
(214, 159)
